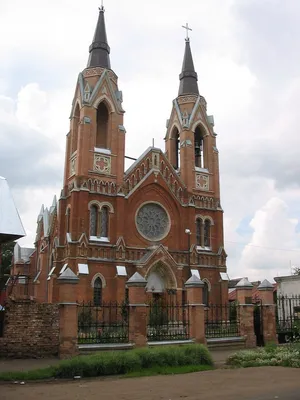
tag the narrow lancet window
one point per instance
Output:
(93, 220)
(199, 148)
(102, 126)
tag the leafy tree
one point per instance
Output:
(296, 270)
(7, 251)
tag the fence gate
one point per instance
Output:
(288, 318)
(167, 321)
(258, 323)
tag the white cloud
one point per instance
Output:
(252, 90)
(274, 241)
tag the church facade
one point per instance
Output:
(161, 217)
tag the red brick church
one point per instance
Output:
(161, 217)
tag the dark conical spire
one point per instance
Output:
(99, 49)
(188, 77)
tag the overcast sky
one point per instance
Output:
(246, 53)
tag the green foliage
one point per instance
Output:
(271, 355)
(85, 319)
(34, 375)
(233, 310)
(7, 251)
(158, 315)
(157, 359)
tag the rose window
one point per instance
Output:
(152, 221)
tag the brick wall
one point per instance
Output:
(31, 330)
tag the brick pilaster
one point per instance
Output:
(268, 312)
(246, 310)
(68, 314)
(137, 310)
(194, 288)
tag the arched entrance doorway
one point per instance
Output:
(161, 282)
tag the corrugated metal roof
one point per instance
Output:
(11, 227)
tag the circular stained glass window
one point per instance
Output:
(152, 221)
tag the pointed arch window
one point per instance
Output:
(102, 126)
(98, 292)
(68, 218)
(74, 137)
(199, 148)
(93, 220)
(205, 294)
(207, 232)
(199, 227)
(175, 148)
(99, 221)
(104, 222)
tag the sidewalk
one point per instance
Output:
(6, 365)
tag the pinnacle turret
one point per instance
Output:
(188, 77)
(99, 49)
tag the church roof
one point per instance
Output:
(188, 77)
(99, 49)
(11, 227)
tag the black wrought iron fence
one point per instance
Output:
(167, 321)
(2, 310)
(288, 318)
(106, 323)
(222, 320)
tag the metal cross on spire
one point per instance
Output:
(186, 26)
(102, 6)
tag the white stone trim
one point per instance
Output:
(105, 98)
(175, 124)
(99, 239)
(168, 269)
(205, 280)
(199, 216)
(101, 204)
(197, 123)
(102, 150)
(209, 218)
(74, 107)
(98, 275)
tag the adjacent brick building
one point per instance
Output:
(162, 217)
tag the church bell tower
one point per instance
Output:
(96, 141)
(94, 159)
(190, 138)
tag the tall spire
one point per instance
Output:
(188, 77)
(99, 49)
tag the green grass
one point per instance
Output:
(33, 375)
(122, 363)
(185, 369)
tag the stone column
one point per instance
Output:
(268, 312)
(246, 309)
(137, 310)
(68, 314)
(194, 289)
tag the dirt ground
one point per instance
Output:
(263, 383)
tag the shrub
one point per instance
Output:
(272, 355)
(106, 363)
(123, 362)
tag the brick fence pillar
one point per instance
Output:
(137, 310)
(246, 309)
(194, 288)
(68, 314)
(268, 312)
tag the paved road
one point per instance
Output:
(265, 383)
